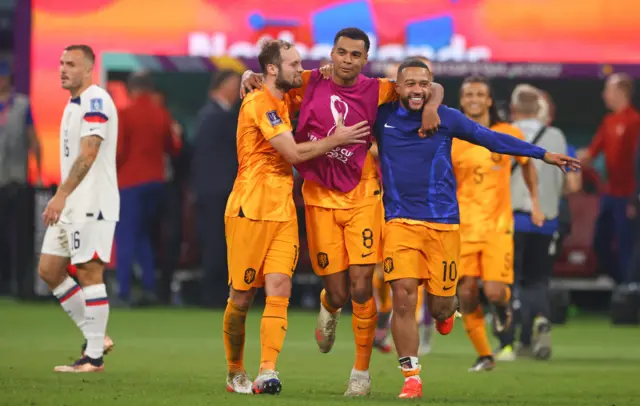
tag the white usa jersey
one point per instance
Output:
(97, 196)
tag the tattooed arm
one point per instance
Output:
(89, 147)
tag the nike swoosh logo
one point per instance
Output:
(447, 287)
(94, 129)
(366, 255)
(387, 126)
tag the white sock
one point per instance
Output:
(355, 374)
(408, 364)
(71, 297)
(96, 314)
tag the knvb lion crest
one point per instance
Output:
(388, 265)
(249, 276)
(323, 260)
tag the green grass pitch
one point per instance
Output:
(176, 357)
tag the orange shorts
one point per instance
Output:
(256, 248)
(420, 252)
(342, 237)
(490, 260)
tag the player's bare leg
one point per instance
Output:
(233, 330)
(425, 322)
(273, 329)
(383, 300)
(498, 294)
(363, 322)
(474, 323)
(96, 312)
(405, 334)
(332, 299)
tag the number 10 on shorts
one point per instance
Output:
(449, 271)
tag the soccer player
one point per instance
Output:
(486, 219)
(422, 241)
(342, 194)
(82, 215)
(383, 290)
(260, 218)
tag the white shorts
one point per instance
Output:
(80, 242)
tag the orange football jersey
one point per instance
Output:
(263, 189)
(484, 186)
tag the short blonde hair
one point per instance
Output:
(526, 99)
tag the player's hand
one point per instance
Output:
(326, 71)
(537, 217)
(52, 212)
(583, 155)
(250, 82)
(564, 162)
(430, 121)
(354, 134)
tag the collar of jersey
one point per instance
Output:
(402, 112)
(77, 99)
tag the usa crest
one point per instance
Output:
(249, 276)
(274, 118)
(388, 265)
(96, 104)
(323, 260)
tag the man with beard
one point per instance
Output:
(342, 194)
(421, 237)
(260, 219)
(486, 219)
(383, 290)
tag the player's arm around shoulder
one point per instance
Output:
(251, 81)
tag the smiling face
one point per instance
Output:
(414, 87)
(475, 99)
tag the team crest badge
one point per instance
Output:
(274, 118)
(323, 260)
(96, 104)
(249, 276)
(388, 265)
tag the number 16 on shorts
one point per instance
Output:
(75, 241)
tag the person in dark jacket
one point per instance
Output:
(213, 170)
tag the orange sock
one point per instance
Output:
(474, 324)
(233, 335)
(273, 329)
(363, 323)
(325, 302)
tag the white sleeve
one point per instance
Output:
(96, 115)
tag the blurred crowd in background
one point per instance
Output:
(174, 186)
